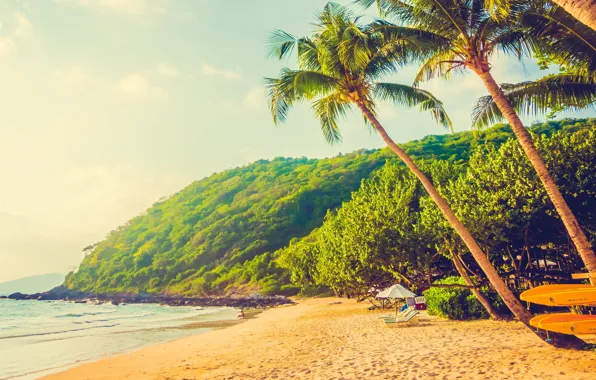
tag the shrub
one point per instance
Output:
(456, 303)
(289, 290)
(270, 289)
(311, 290)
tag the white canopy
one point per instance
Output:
(395, 291)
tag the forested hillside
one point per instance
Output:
(223, 234)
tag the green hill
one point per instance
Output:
(220, 234)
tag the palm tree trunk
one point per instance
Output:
(481, 298)
(575, 232)
(492, 276)
(583, 10)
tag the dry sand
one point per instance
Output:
(319, 340)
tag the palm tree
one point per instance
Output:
(338, 68)
(465, 37)
(583, 10)
(565, 41)
(555, 92)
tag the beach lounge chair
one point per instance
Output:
(409, 318)
(401, 314)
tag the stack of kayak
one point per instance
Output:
(563, 295)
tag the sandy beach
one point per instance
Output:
(318, 339)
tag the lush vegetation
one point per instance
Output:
(390, 230)
(227, 233)
(458, 303)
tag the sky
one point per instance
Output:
(109, 105)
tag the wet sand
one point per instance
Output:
(316, 339)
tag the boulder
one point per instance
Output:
(18, 296)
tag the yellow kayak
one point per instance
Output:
(566, 323)
(537, 319)
(561, 295)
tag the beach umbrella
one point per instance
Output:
(396, 291)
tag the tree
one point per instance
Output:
(583, 10)
(437, 232)
(338, 68)
(465, 36)
(565, 42)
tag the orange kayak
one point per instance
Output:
(537, 319)
(561, 295)
(566, 323)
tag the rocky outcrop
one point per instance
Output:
(60, 293)
(18, 296)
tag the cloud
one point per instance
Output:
(120, 6)
(255, 98)
(137, 85)
(167, 70)
(74, 76)
(23, 27)
(210, 70)
(7, 46)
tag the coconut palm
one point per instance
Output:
(554, 92)
(338, 69)
(565, 41)
(583, 10)
(466, 37)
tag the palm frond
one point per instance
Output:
(308, 54)
(398, 46)
(449, 11)
(328, 110)
(559, 91)
(485, 113)
(410, 96)
(498, 9)
(563, 39)
(312, 84)
(281, 97)
(280, 44)
(292, 86)
(353, 49)
(513, 42)
(442, 65)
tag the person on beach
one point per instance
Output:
(241, 315)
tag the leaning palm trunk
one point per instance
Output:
(481, 298)
(493, 277)
(583, 10)
(575, 232)
(521, 313)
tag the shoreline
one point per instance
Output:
(197, 326)
(67, 295)
(317, 339)
(51, 351)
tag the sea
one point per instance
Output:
(42, 337)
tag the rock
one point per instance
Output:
(17, 296)
(60, 293)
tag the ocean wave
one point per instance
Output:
(55, 332)
(112, 319)
(78, 315)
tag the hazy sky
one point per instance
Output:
(108, 105)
